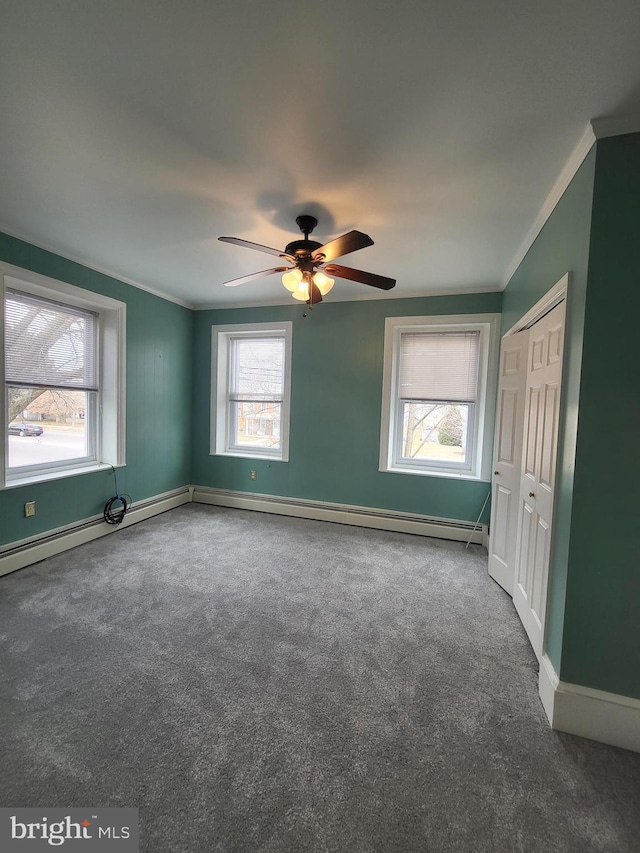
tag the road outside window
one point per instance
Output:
(47, 426)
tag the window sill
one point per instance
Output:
(238, 455)
(447, 475)
(44, 477)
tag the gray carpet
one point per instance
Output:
(258, 683)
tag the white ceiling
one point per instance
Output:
(136, 133)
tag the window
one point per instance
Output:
(63, 400)
(251, 371)
(435, 418)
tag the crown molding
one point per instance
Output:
(93, 266)
(615, 126)
(585, 144)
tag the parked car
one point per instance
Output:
(25, 429)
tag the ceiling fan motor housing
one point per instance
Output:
(302, 248)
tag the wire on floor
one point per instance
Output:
(479, 517)
(117, 507)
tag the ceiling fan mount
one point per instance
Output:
(306, 224)
(311, 263)
(303, 248)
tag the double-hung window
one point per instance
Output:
(251, 371)
(63, 375)
(436, 416)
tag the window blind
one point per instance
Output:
(49, 344)
(439, 366)
(257, 369)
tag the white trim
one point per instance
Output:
(17, 555)
(594, 714)
(489, 326)
(485, 536)
(76, 259)
(615, 126)
(42, 285)
(111, 415)
(359, 516)
(549, 301)
(59, 474)
(554, 296)
(576, 158)
(547, 685)
(221, 337)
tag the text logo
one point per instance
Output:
(86, 830)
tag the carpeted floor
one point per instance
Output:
(259, 683)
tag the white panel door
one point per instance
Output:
(507, 459)
(536, 493)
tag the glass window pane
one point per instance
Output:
(256, 424)
(435, 432)
(258, 368)
(46, 425)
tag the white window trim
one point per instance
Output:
(220, 337)
(488, 325)
(111, 416)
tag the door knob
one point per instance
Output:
(496, 473)
(532, 494)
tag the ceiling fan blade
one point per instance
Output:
(349, 242)
(236, 241)
(234, 282)
(370, 278)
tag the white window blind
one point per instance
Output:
(439, 366)
(49, 344)
(257, 370)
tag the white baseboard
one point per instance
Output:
(24, 552)
(17, 555)
(594, 714)
(380, 519)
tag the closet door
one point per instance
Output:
(507, 458)
(537, 480)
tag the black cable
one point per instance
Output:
(115, 516)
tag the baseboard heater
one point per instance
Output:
(359, 516)
(23, 553)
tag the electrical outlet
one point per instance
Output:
(253, 475)
(30, 509)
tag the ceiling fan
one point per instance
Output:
(308, 278)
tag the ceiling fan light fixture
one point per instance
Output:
(302, 293)
(292, 279)
(323, 282)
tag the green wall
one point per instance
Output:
(592, 616)
(562, 246)
(159, 335)
(594, 585)
(601, 646)
(336, 404)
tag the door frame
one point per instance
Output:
(553, 297)
(559, 292)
